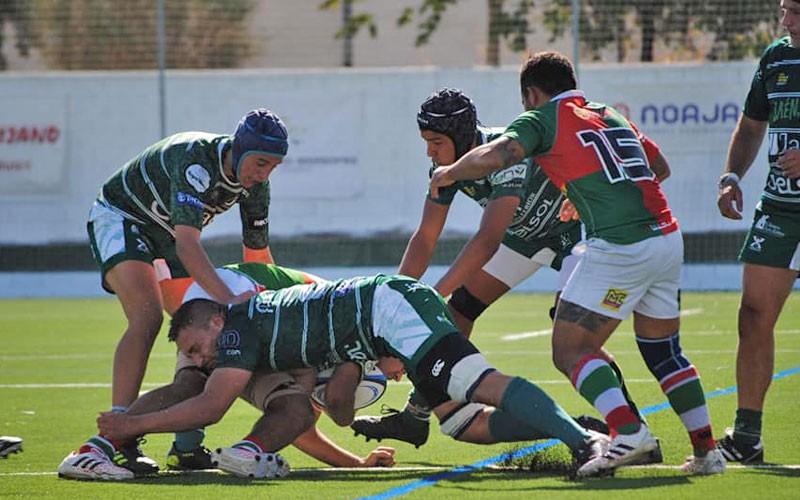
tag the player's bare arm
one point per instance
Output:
(199, 266)
(223, 387)
(422, 243)
(745, 143)
(496, 218)
(340, 393)
(315, 443)
(660, 166)
(479, 162)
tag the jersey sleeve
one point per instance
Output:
(254, 213)
(534, 130)
(756, 105)
(189, 183)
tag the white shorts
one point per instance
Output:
(512, 268)
(614, 280)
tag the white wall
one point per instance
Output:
(356, 164)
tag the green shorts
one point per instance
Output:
(773, 239)
(115, 239)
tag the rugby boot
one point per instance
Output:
(91, 463)
(740, 452)
(9, 445)
(130, 456)
(196, 459)
(394, 424)
(712, 463)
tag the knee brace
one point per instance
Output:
(467, 304)
(457, 421)
(662, 356)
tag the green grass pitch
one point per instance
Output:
(55, 374)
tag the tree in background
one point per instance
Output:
(734, 29)
(16, 13)
(739, 28)
(122, 34)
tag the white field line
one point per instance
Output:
(312, 471)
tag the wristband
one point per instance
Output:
(728, 178)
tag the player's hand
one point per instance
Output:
(382, 456)
(440, 178)
(567, 211)
(115, 425)
(730, 201)
(789, 161)
(243, 297)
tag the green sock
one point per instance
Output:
(507, 429)
(747, 426)
(189, 440)
(527, 403)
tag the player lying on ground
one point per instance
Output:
(266, 392)
(519, 233)
(401, 323)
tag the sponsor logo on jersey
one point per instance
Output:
(614, 298)
(784, 108)
(355, 352)
(756, 244)
(512, 173)
(198, 177)
(437, 367)
(413, 287)
(229, 340)
(187, 199)
(260, 222)
(233, 352)
(782, 79)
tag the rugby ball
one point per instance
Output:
(368, 391)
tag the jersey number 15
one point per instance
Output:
(620, 152)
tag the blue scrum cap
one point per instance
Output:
(260, 132)
(452, 113)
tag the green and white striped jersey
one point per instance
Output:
(180, 181)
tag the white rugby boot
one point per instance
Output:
(712, 463)
(94, 465)
(624, 449)
(247, 463)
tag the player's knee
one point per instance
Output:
(295, 409)
(466, 304)
(457, 423)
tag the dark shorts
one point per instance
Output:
(450, 370)
(773, 239)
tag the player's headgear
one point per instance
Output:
(450, 112)
(260, 132)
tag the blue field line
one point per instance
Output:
(431, 480)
